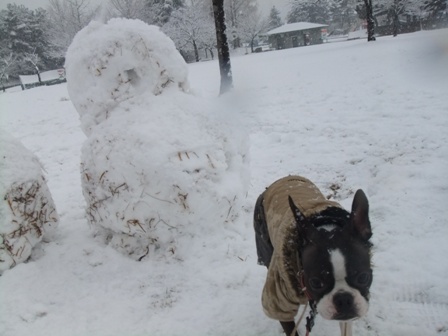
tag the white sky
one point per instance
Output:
(265, 5)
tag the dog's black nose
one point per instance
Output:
(343, 302)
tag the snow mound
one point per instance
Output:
(152, 178)
(110, 63)
(27, 210)
(159, 164)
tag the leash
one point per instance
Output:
(311, 303)
(293, 333)
(309, 319)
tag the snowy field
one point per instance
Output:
(346, 115)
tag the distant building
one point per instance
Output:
(297, 34)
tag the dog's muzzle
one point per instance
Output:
(344, 304)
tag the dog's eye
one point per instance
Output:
(316, 283)
(363, 279)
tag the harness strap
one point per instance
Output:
(311, 302)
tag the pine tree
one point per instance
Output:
(158, 12)
(309, 11)
(24, 40)
(435, 7)
(343, 16)
(274, 18)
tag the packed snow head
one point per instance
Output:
(107, 64)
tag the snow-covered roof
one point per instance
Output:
(289, 27)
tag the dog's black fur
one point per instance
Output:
(351, 227)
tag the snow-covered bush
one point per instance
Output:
(161, 165)
(27, 210)
(107, 64)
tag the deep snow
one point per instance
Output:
(346, 115)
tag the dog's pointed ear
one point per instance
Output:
(306, 230)
(359, 217)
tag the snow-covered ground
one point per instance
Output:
(346, 115)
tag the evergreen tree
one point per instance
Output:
(436, 7)
(24, 41)
(274, 18)
(309, 11)
(159, 11)
(343, 16)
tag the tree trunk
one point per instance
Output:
(196, 51)
(223, 46)
(370, 21)
(38, 74)
(396, 24)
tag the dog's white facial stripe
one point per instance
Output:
(326, 305)
(338, 263)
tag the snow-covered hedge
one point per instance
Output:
(107, 64)
(27, 210)
(161, 165)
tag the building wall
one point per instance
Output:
(296, 38)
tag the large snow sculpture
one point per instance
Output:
(156, 168)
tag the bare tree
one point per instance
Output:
(223, 47)
(191, 27)
(7, 61)
(393, 9)
(236, 12)
(251, 28)
(129, 9)
(34, 59)
(67, 17)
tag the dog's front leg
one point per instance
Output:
(346, 328)
(288, 327)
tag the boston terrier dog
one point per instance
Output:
(316, 253)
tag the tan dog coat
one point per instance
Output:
(282, 294)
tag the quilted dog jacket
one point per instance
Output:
(282, 294)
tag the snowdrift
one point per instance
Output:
(27, 210)
(159, 164)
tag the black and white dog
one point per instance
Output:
(315, 251)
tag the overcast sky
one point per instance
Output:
(265, 5)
